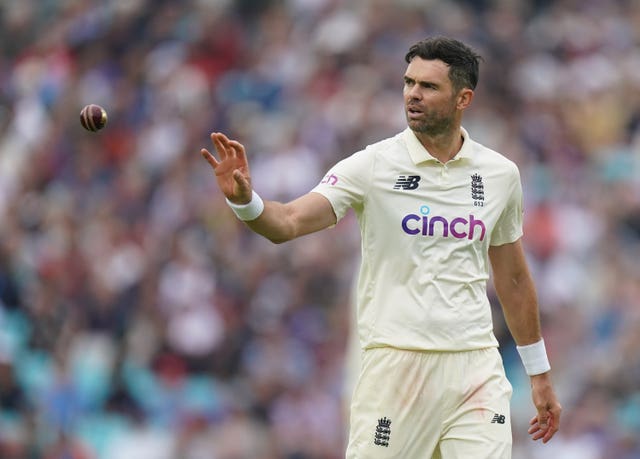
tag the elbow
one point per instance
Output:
(277, 240)
(283, 231)
(285, 234)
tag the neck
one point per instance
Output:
(444, 146)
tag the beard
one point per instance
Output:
(430, 124)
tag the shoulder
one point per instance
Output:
(393, 143)
(385, 148)
(494, 160)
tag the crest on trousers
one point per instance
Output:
(383, 432)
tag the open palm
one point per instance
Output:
(232, 169)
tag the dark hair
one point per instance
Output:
(463, 61)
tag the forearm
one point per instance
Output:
(280, 222)
(517, 295)
(520, 307)
(276, 223)
(516, 292)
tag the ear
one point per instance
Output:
(465, 96)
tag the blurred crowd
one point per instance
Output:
(139, 319)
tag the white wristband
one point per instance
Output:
(534, 358)
(250, 210)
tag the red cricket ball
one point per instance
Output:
(93, 117)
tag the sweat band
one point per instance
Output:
(534, 358)
(250, 210)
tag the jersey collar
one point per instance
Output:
(420, 154)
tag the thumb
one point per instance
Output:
(241, 180)
(543, 419)
(243, 185)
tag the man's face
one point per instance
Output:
(429, 97)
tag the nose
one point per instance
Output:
(413, 92)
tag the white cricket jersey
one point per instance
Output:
(426, 229)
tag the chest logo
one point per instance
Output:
(477, 190)
(407, 182)
(424, 224)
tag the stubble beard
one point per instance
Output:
(433, 123)
(434, 126)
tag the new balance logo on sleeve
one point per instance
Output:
(407, 182)
(383, 432)
(498, 418)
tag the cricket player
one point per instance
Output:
(437, 211)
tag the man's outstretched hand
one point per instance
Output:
(232, 169)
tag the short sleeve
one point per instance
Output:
(508, 228)
(345, 184)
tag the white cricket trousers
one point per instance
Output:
(430, 405)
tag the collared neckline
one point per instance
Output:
(420, 154)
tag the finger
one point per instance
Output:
(538, 436)
(224, 140)
(536, 432)
(543, 419)
(555, 414)
(218, 145)
(533, 420)
(239, 150)
(548, 436)
(554, 424)
(551, 431)
(547, 433)
(209, 157)
(217, 140)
